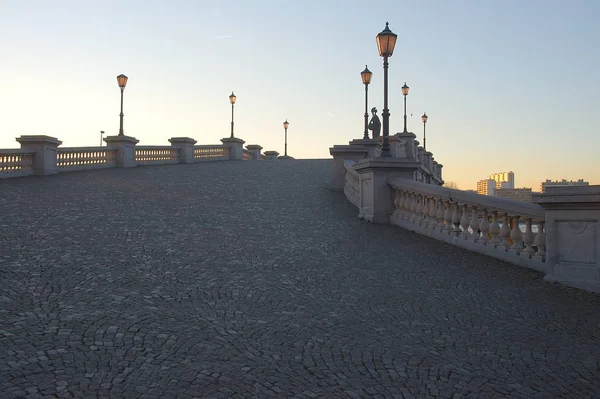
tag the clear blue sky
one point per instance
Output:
(508, 85)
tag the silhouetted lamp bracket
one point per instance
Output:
(122, 81)
(232, 99)
(386, 41)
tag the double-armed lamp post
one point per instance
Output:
(405, 90)
(386, 41)
(424, 119)
(366, 79)
(232, 98)
(285, 126)
(122, 81)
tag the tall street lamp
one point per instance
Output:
(285, 126)
(424, 119)
(405, 90)
(101, 134)
(232, 98)
(122, 81)
(386, 40)
(366, 79)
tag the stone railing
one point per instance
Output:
(211, 152)
(156, 155)
(352, 185)
(16, 163)
(82, 158)
(509, 230)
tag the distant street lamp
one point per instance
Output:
(122, 81)
(386, 40)
(101, 133)
(232, 98)
(424, 119)
(285, 126)
(366, 79)
(405, 90)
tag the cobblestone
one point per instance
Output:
(252, 279)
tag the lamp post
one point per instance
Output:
(424, 119)
(386, 40)
(285, 126)
(232, 98)
(366, 79)
(122, 81)
(405, 90)
(101, 133)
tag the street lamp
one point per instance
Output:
(424, 119)
(122, 81)
(285, 126)
(101, 133)
(405, 90)
(386, 40)
(232, 98)
(366, 79)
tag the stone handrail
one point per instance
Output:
(83, 158)
(211, 152)
(15, 163)
(156, 155)
(352, 185)
(484, 224)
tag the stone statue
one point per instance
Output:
(375, 124)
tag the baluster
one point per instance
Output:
(505, 232)
(407, 205)
(396, 202)
(495, 230)
(456, 220)
(425, 218)
(440, 215)
(540, 242)
(474, 225)
(413, 208)
(448, 212)
(516, 235)
(433, 213)
(464, 221)
(484, 226)
(528, 239)
(419, 209)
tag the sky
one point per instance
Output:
(507, 85)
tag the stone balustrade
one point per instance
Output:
(42, 155)
(352, 185)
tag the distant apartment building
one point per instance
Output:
(517, 194)
(504, 179)
(563, 182)
(486, 187)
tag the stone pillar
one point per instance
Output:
(427, 162)
(186, 148)
(271, 155)
(376, 196)
(255, 149)
(341, 153)
(236, 148)
(44, 159)
(125, 146)
(407, 140)
(421, 155)
(372, 145)
(572, 235)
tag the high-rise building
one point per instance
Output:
(562, 182)
(517, 194)
(504, 177)
(486, 187)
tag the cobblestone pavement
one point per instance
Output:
(252, 279)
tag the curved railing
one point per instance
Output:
(506, 229)
(352, 185)
(156, 155)
(15, 163)
(83, 158)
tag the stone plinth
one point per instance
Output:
(255, 149)
(376, 196)
(44, 159)
(125, 145)
(271, 155)
(572, 235)
(404, 145)
(236, 148)
(341, 153)
(373, 145)
(186, 148)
